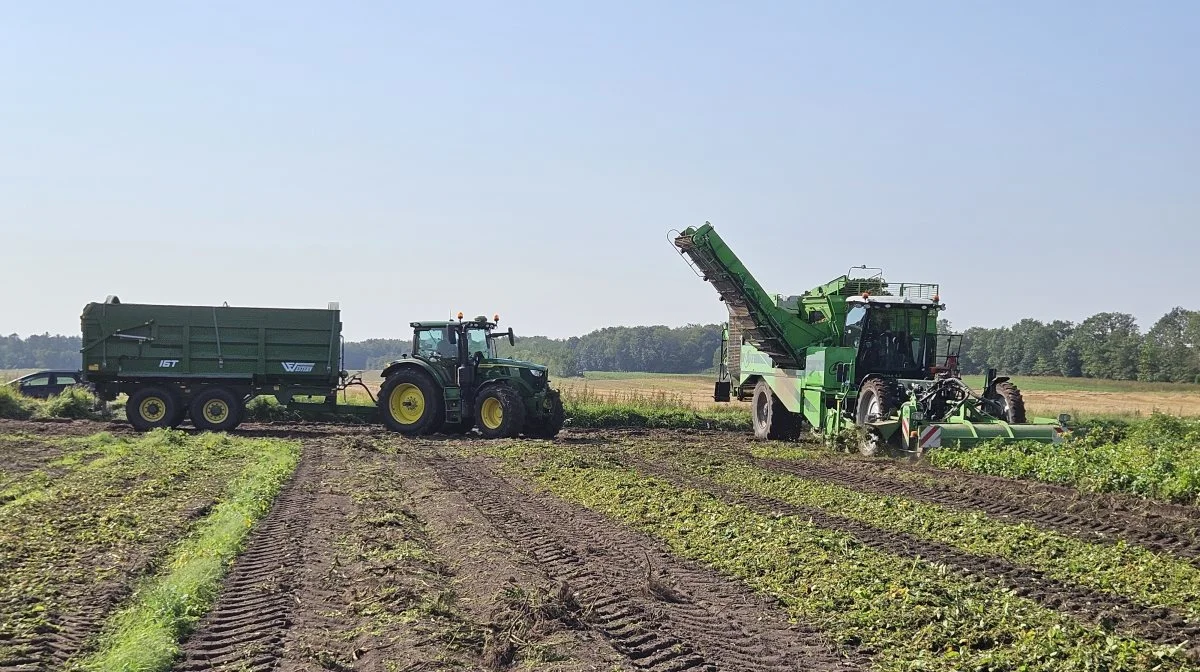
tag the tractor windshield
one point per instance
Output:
(894, 341)
(478, 341)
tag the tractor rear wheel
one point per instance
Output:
(215, 409)
(499, 412)
(772, 420)
(878, 399)
(410, 403)
(1009, 397)
(152, 407)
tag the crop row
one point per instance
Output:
(914, 614)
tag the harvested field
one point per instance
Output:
(610, 550)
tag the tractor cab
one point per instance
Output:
(894, 336)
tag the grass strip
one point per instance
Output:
(915, 615)
(1122, 569)
(145, 635)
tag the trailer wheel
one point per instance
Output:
(772, 420)
(1012, 401)
(551, 421)
(499, 412)
(151, 408)
(215, 409)
(410, 403)
(878, 398)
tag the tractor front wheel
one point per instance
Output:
(499, 412)
(878, 399)
(551, 421)
(410, 403)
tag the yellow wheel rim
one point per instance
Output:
(492, 413)
(153, 409)
(406, 403)
(215, 411)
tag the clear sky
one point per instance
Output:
(412, 159)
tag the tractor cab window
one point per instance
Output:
(478, 341)
(855, 320)
(436, 343)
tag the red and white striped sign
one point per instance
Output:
(930, 438)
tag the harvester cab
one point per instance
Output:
(454, 380)
(856, 351)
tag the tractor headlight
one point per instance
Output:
(535, 373)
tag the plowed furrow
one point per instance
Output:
(1008, 500)
(710, 624)
(245, 629)
(1156, 624)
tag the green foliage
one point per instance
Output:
(914, 614)
(145, 634)
(39, 352)
(1158, 458)
(15, 406)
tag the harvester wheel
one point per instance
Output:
(499, 412)
(772, 420)
(1014, 404)
(215, 409)
(410, 403)
(878, 398)
(551, 421)
(151, 408)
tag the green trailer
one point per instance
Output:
(857, 351)
(207, 361)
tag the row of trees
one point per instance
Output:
(39, 352)
(1106, 345)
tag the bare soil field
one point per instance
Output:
(602, 550)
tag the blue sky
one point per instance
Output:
(410, 160)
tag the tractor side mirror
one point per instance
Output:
(512, 340)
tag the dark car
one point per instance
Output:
(45, 384)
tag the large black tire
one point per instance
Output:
(153, 407)
(411, 403)
(499, 412)
(1008, 396)
(772, 420)
(878, 398)
(216, 409)
(551, 422)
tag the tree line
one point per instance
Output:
(1105, 345)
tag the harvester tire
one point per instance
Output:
(410, 403)
(215, 409)
(878, 398)
(772, 420)
(1013, 402)
(152, 407)
(499, 412)
(551, 422)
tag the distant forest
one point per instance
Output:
(1106, 345)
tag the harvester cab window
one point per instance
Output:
(855, 319)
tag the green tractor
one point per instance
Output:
(454, 381)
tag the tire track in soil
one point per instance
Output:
(704, 622)
(1160, 625)
(1103, 524)
(245, 629)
